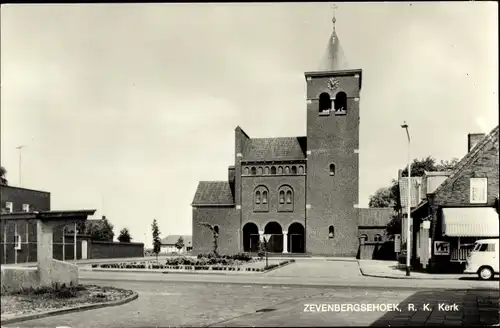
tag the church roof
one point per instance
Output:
(334, 58)
(213, 193)
(275, 149)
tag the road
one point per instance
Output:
(163, 304)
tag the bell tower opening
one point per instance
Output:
(325, 102)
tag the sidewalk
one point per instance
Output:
(389, 269)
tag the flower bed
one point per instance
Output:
(272, 266)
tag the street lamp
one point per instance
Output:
(408, 213)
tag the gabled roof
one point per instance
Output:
(375, 217)
(403, 192)
(275, 149)
(213, 193)
(172, 239)
(469, 158)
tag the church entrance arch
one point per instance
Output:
(275, 243)
(250, 237)
(296, 233)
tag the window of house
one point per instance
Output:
(266, 170)
(273, 170)
(247, 171)
(301, 169)
(478, 190)
(26, 207)
(261, 199)
(325, 102)
(287, 169)
(280, 170)
(216, 228)
(17, 242)
(294, 170)
(340, 102)
(331, 232)
(9, 206)
(285, 193)
(377, 238)
(259, 170)
(254, 171)
(332, 169)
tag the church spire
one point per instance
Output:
(334, 58)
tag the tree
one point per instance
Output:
(382, 198)
(156, 238)
(180, 243)
(124, 236)
(419, 166)
(394, 226)
(101, 230)
(3, 174)
(215, 238)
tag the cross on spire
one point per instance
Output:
(334, 6)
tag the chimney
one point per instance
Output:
(473, 139)
(400, 174)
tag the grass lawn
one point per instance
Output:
(47, 299)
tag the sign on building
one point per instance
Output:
(397, 243)
(441, 248)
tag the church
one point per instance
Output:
(300, 192)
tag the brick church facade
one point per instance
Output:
(301, 190)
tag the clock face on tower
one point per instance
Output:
(333, 84)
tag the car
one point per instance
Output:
(484, 258)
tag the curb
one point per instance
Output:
(178, 272)
(403, 277)
(87, 307)
(277, 267)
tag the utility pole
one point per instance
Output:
(408, 209)
(20, 148)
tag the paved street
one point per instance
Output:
(163, 303)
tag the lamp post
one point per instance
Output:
(20, 148)
(408, 203)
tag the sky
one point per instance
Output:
(123, 108)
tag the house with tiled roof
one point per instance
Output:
(168, 244)
(460, 210)
(299, 192)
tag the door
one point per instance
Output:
(84, 249)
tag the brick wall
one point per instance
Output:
(332, 139)
(38, 200)
(106, 250)
(272, 183)
(227, 218)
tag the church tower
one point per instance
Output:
(333, 93)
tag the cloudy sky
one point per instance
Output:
(124, 108)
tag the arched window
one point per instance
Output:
(280, 169)
(285, 193)
(332, 169)
(259, 170)
(377, 238)
(216, 228)
(301, 169)
(273, 170)
(266, 170)
(287, 169)
(261, 199)
(331, 232)
(254, 171)
(294, 170)
(257, 197)
(325, 102)
(341, 102)
(247, 171)
(282, 197)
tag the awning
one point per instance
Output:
(470, 222)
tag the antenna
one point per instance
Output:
(20, 148)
